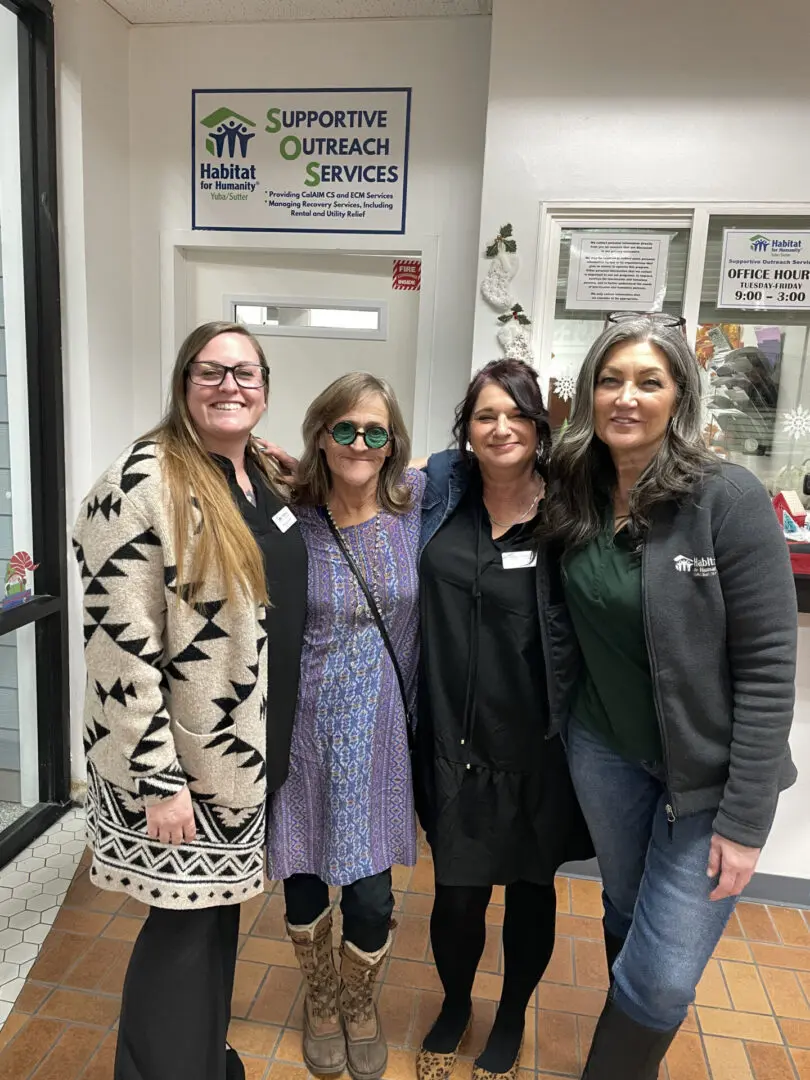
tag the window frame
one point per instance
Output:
(231, 300)
(48, 611)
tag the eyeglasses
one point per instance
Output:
(670, 322)
(345, 433)
(207, 373)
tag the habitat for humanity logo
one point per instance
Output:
(777, 247)
(696, 565)
(228, 131)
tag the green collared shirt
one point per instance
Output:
(615, 698)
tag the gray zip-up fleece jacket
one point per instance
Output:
(721, 627)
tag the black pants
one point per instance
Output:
(367, 906)
(176, 1005)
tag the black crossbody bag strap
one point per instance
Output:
(378, 619)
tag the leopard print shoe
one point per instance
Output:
(433, 1066)
(511, 1073)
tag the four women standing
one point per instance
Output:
(182, 541)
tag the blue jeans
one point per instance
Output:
(655, 888)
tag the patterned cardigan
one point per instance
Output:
(176, 694)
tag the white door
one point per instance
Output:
(301, 366)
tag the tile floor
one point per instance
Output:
(31, 891)
(751, 1020)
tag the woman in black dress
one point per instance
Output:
(493, 789)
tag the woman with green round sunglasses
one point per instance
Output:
(345, 433)
(346, 813)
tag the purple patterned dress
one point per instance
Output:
(346, 810)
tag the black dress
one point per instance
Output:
(285, 569)
(501, 807)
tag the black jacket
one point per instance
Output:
(721, 627)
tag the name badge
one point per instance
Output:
(284, 519)
(519, 560)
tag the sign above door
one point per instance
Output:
(300, 160)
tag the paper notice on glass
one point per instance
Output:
(617, 271)
(765, 271)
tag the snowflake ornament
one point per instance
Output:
(565, 387)
(797, 422)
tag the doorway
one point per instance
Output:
(318, 315)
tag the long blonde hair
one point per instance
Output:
(341, 396)
(196, 488)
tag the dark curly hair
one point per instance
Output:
(520, 382)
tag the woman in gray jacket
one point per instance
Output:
(679, 587)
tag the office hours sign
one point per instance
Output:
(765, 271)
(300, 160)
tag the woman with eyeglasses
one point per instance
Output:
(679, 587)
(194, 576)
(346, 814)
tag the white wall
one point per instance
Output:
(446, 63)
(300, 367)
(639, 101)
(92, 55)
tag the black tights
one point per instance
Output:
(458, 934)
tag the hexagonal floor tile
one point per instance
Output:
(10, 878)
(25, 892)
(22, 952)
(12, 906)
(10, 937)
(41, 902)
(38, 933)
(25, 920)
(47, 850)
(47, 873)
(56, 886)
(8, 972)
(10, 990)
(26, 866)
(61, 860)
(75, 848)
(26, 967)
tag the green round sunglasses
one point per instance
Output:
(345, 433)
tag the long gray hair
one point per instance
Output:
(582, 474)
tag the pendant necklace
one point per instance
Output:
(523, 516)
(368, 564)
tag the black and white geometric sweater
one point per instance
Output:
(176, 694)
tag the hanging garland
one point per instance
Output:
(496, 290)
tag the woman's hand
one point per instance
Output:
(286, 462)
(733, 864)
(172, 820)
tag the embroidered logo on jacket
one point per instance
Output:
(696, 565)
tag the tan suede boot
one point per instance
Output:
(324, 1040)
(366, 1048)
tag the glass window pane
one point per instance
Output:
(345, 318)
(308, 320)
(756, 364)
(575, 330)
(19, 765)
